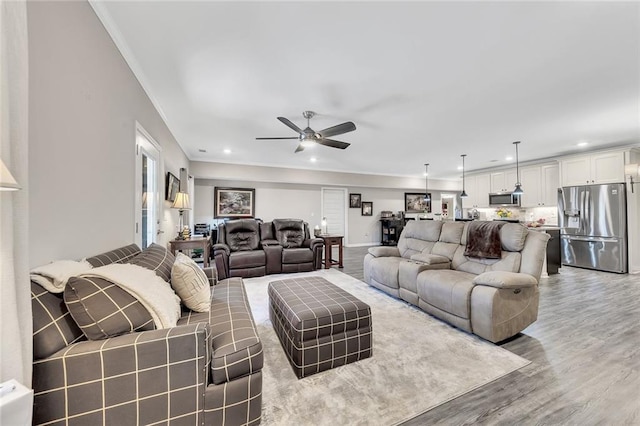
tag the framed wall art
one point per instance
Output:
(367, 208)
(234, 203)
(414, 202)
(354, 201)
(173, 186)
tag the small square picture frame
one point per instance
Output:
(367, 208)
(355, 201)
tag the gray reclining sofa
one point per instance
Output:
(492, 298)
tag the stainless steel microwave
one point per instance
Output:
(504, 199)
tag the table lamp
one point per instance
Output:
(181, 203)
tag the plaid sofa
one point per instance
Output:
(206, 370)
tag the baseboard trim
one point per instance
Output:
(362, 244)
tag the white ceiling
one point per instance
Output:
(422, 81)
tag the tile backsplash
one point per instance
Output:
(549, 214)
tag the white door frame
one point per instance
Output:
(152, 149)
(346, 208)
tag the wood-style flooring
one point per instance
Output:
(585, 353)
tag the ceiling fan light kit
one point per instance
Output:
(309, 137)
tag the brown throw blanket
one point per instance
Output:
(483, 240)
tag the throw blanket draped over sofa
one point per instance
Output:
(435, 268)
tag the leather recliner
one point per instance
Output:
(251, 248)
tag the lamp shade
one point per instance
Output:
(182, 201)
(7, 182)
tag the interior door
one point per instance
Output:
(147, 190)
(334, 209)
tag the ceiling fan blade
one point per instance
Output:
(292, 137)
(332, 143)
(338, 129)
(298, 149)
(289, 124)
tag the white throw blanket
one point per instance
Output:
(53, 277)
(153, 292)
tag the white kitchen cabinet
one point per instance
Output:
(540, 185)
(503, 181)
(477, 188)
(550, 175)
(607, 167)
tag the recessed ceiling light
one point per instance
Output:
(509, 158)
(202, 150)
(313, 159)
(459, 167)
(227, 151)
(583, 143)
(425, 174)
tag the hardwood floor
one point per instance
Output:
(585, 353)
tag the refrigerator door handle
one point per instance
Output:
(582, 212)
(591, 239)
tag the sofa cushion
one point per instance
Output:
(297, 255)
(191, 284)
(102, 309)
(247, 259)
(512, 236)
(451, 232)
(120, 255)
(156, 258)
(384, 270)
(447, 290)
(242, 234)
(509, 262)
(418, 236)
(53, 326)
(289, 232)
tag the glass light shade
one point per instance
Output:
(7, 182)
(518, 189)
(182, 201)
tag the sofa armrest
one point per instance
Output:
(221, 254)
(218, 248)
(312, 243)
(384, 251)
(430, 259)
(212, 274)
(99, 376)
(502, 279)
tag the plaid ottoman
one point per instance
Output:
(320, 326)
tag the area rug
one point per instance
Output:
(418, 363)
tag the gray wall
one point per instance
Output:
(303, 201)
(84, 102)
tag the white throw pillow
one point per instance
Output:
(191, 284)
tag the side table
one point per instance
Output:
(329, 242)
(193, 243)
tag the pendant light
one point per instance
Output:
(518, 190)
(427, 198)
(463, 194)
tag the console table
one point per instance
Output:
(193, 243)
(329, 242)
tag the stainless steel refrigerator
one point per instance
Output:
(593, 226)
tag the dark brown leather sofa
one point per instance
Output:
(252, 248)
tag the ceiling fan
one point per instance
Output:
(308, 137)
